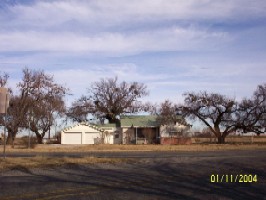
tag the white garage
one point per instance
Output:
(81, 134)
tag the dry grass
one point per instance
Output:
(106, 147)
(42, 161)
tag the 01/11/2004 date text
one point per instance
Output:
(230, 178)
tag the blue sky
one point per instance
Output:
(173, 46)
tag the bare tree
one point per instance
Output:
(251, 115)
(169, 118)
(45, 99)
(167, 113)
(109, 99)
(214, 110)
(38, 98)
(15, 113)
(16, 116)
(80, 109)
(43, 116)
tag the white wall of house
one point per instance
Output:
(112, 135)
(109, 138)
(178, 128)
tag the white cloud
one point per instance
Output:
(169, 39)
(114, 12)
(83, 77)
(98, 26)
(79, 80)
(46, 33)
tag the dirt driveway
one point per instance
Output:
(191, 176)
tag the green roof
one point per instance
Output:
(135, 120)
(139, 121)
(106, 126)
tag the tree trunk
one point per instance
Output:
(113, 121)
(221, 140)
(10, 139)
(39, 138)
(11, 135)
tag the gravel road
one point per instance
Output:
(157, 175)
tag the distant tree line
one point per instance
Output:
(39, 101)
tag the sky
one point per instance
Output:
(173, 46)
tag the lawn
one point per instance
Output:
(117, 147)
(44, 161)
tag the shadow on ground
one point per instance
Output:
(153, 178)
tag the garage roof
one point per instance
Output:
(83, 127)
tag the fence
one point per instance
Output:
(200, 140)
(231, 139)
(175, 140)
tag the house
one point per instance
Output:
(175, 134)
(138, 129)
